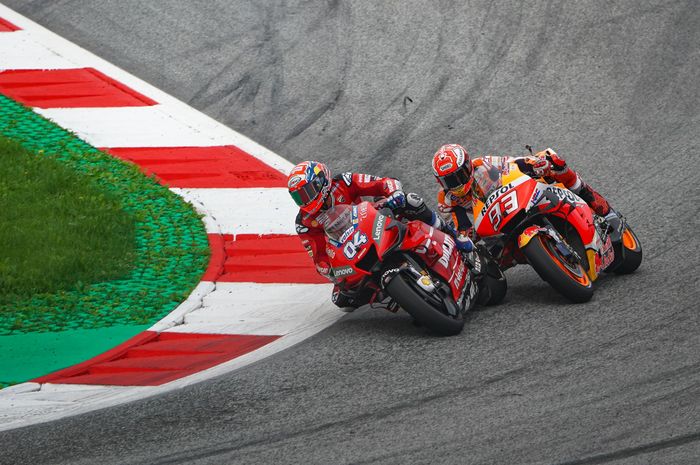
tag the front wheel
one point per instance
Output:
(567, 278)
(631, 252)
(413, 302)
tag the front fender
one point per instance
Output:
(526, 236)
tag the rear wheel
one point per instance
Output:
(565, 276)
(631, 252)
(415, 303)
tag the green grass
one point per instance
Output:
(171, 246)
(58, 230)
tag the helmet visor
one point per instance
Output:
(457, 179)
(309, 191)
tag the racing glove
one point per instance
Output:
(396, 199)
(541, 166)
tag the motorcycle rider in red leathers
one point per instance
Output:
(453, 170)
(314, 190)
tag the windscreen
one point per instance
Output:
(336, 221)
(487, 178)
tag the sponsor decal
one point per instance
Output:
(388, 274)
(608, 254)
(347, 178)
(363, 211)
(378, 227)
(343, 271)
(448, 246)
(393, 185)
(563, 194)
(346, 234)
(472, 290)
(295, 180)
(459, 275)
(477, 263)
(536, 196)
(527, 235)
(314, 223)
(494, 195)
(330, 252)
(446, 166)
(301, 229)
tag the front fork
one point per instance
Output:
(559, 242)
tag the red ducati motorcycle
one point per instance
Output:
(391, 263)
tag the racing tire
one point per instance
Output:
(570, 281)
(423, 313)
(631, 252)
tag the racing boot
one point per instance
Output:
(594, 200)
(342, 301)
(417, 209)
(560, 172)
(462, 240)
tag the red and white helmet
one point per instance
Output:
(309, 184)
(453, 168)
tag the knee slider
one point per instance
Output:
(414, 200)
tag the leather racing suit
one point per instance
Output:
(546, 164)
(350, 188)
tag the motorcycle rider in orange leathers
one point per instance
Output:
(453, 170)
(314, 190)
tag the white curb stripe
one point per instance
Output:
(19, 51)
(262, 309)
(238, 211)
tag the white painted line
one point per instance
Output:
(19, 51)
(244, 211)
(262, 309)
(55, 401)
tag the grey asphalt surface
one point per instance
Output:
(377, 87)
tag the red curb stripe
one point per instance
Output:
(217, 259)
(152, 359)
(68, 88)
(6, 26)
(269, 258)
(112, 353)
(202, 167)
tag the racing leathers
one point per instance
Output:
(545, 164)
(350, 188)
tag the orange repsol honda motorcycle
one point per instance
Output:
(525, 220)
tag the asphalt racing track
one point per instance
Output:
(377, 87)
